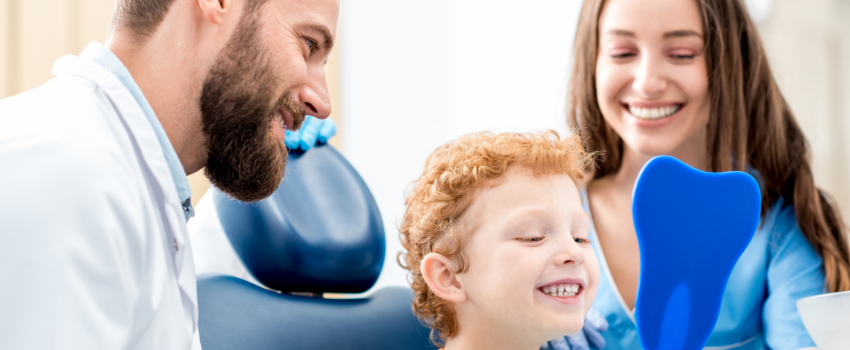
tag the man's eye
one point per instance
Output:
(531, 239)
(312, 45)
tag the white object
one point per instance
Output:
(212, 250)
(827, 319)
(94, 251)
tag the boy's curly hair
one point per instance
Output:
(445, 190)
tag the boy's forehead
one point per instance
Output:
(516, 192)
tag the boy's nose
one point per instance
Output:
(569, 253)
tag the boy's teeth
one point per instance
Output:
(561, 290)
(653, 113)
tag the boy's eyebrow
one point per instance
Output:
(523, 218)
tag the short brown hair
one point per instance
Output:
(445, 190)
(141, 17)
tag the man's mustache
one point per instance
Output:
(287, 103)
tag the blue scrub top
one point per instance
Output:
(759, 307)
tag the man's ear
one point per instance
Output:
(214, 10)
(439, 273)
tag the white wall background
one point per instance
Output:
(415, 74)
(808, 46)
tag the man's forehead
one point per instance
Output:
(325, 11)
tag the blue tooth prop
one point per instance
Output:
(692, 226)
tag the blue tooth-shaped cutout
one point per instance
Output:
(692, 226)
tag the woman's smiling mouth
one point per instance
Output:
(654, 113)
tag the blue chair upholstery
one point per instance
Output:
(320, 232)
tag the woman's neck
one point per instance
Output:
(692, 153)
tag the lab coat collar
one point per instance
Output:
(145, 138)
(101, 55)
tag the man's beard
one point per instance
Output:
(246, 160)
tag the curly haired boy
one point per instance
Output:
(497, 241)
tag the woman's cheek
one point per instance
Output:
(610, 81)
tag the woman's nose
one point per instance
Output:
(649, 78)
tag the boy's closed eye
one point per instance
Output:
(581, 240)
(578, 240)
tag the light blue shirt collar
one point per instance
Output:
(99, 54)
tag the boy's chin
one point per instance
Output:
(564, 327)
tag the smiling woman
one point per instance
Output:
(690, 79)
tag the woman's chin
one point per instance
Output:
(652, 146)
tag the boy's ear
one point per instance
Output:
(438, 272)
(214, 10)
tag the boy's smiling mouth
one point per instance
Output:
(563, 289)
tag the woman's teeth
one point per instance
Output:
(561, 290)
(653, 113)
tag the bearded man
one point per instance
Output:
(94, 200)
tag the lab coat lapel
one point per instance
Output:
(151, 151)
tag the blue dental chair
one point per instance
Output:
(320, 232)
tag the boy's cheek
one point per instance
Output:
(592, 266)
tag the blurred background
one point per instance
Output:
(408, 76)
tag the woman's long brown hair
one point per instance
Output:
(750, 124)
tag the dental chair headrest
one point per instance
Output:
(320, 232)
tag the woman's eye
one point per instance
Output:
(580, 240)
(622, 55)
(682, 55)
(531, 239)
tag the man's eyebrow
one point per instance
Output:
(620, 32)
(682, 33)
(324, 32)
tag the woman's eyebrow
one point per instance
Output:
(672, 34)
(620, 32)
(682, 33)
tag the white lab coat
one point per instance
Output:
(94, 251)
(212, 250)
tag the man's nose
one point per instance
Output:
(314, 96)
(649, 78)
